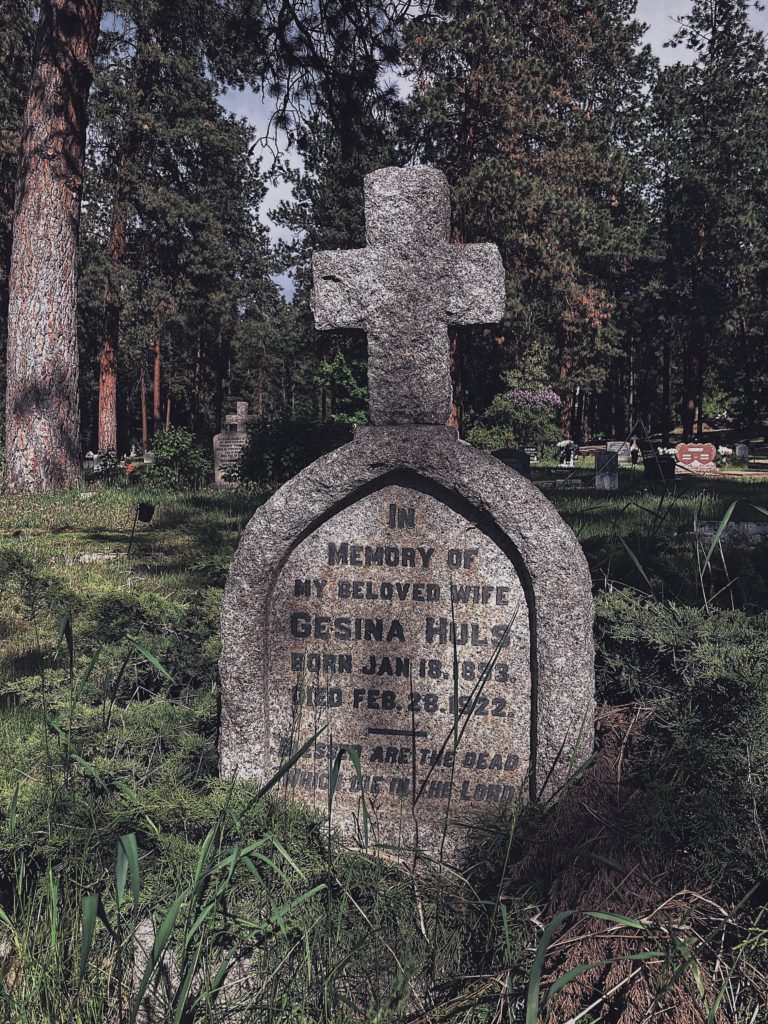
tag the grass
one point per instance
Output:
(127, 867)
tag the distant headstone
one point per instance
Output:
(516, 458)
(533, 455)
(228, 445)
(696, 458)
(742, 452)
(621, 448)
(406, 616)
(606, 471)
(659, 468)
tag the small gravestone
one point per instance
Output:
(742, 452)
(620, 448)
(516, 458)
(606, 471)
(407, 617)
(696, 458)
(228, 445)
(533, 455)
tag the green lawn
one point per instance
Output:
(113, 810)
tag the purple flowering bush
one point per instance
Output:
(523, 417)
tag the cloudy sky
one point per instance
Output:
(659, 15)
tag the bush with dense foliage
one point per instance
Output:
(278, 449)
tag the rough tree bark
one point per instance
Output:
(108, 356)
(144, 422)
(109, 342)
(157, 421)
(42, 408)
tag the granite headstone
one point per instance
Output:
(228, 445)
(620, 448)
(606, 471)
(408, 616)
(516, 458)
(696, 458)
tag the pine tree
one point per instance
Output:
(42, 407)
(532, 110)
(174, 252)
(17, 33)
(710, 145)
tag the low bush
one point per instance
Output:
(278, 449)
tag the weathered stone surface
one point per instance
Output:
(404, 288)
(518, 459)
(606, 471)
(229, 444)
(519, 549)
(621, 448)
(409, 609)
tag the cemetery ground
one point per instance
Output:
(636, 893)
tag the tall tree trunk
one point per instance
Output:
(665, 388)
(221, 362)
(454, 417)
(157, 421)
(748, 388)
(108, 357)
(197, 407)
(144, 423)
(567, 408)
(168, 413)
(108, 364)
(42, 406)
(690, 378)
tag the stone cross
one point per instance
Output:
(240, 419)
(404, 289)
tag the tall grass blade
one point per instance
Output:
(151, 659)
(128, 862)
(162, 938)
(637, 565)
(90, 913)
(719, 532)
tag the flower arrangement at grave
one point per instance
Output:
(666, 451)
(566, 451)
(723, 454)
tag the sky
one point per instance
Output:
(659, 15)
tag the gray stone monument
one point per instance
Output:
(742, 452)
(516, 458)
(228, 445)
(408, 609)
(620, 448)
(606, 471)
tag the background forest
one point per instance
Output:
(628, 200)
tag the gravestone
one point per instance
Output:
(742, 452)
(407, 617)
(228, 445)
(533, 455)
(620, 448)
(606, 471)
(516, 458)
(696, 458)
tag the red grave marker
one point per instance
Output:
(697, 458)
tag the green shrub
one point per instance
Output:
(278, 449)
(180, 460)
(524, 416)
(704, 758)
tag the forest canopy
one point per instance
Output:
(626, 197)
